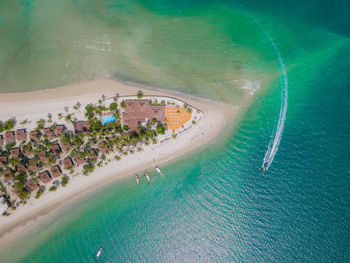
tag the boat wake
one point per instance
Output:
(278, 130)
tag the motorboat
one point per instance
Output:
(99, 252)
(266, 165)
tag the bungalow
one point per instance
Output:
(10, 137)
(26, 152)
(45, 177)
(21, 135)
(7, 175)
(21, 168)
(59, 129)
(48, 132)
(103, 147)
(81, 126)
(67, 163)
(56, 150)
(3, 161)
(1, 140)
(32, 165)
(34, 136)
(79, 159)
(15, 152)
(43, 156)
(66, 146)
(92, 154)
(32, 185)
(56, 171)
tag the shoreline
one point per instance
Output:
(20, 105)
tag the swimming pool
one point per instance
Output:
(108, 119)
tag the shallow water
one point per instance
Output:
(214, 206)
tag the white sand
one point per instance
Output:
(34, 104)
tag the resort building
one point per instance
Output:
(10, 137)
(3, 161)
(34, 136)
(79, 159)
(66, 146)
(21, 135)
(92, 154)
(68, 163)
(55, 171)
(15, 152)
(59, 129)
(48, 132)
(32, 165)
(20, 168)
(56, 150)
(43, 156)
(140, 111)
(45, 177)
(32, 185)
(81, 126)
(8, 177)
(102, 147)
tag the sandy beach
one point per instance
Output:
(33, 105)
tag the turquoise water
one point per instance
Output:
(214, 205)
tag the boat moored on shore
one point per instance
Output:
(147, 177)
(158, 170)
(137, 179)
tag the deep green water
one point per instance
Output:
(214, 205)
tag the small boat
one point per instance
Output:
(147, 177)
(265, 167)
(158, 170)
(137, 179)
(99, 252)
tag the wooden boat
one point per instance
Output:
(147, 177)
(137, 179)
(158, 170)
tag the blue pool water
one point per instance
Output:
(107, 119)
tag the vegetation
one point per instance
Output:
(139, 94)
(53, 188)
(9, 124)
(39, 192)
(64, 180)
(122, 104)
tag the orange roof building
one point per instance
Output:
(176, 117)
